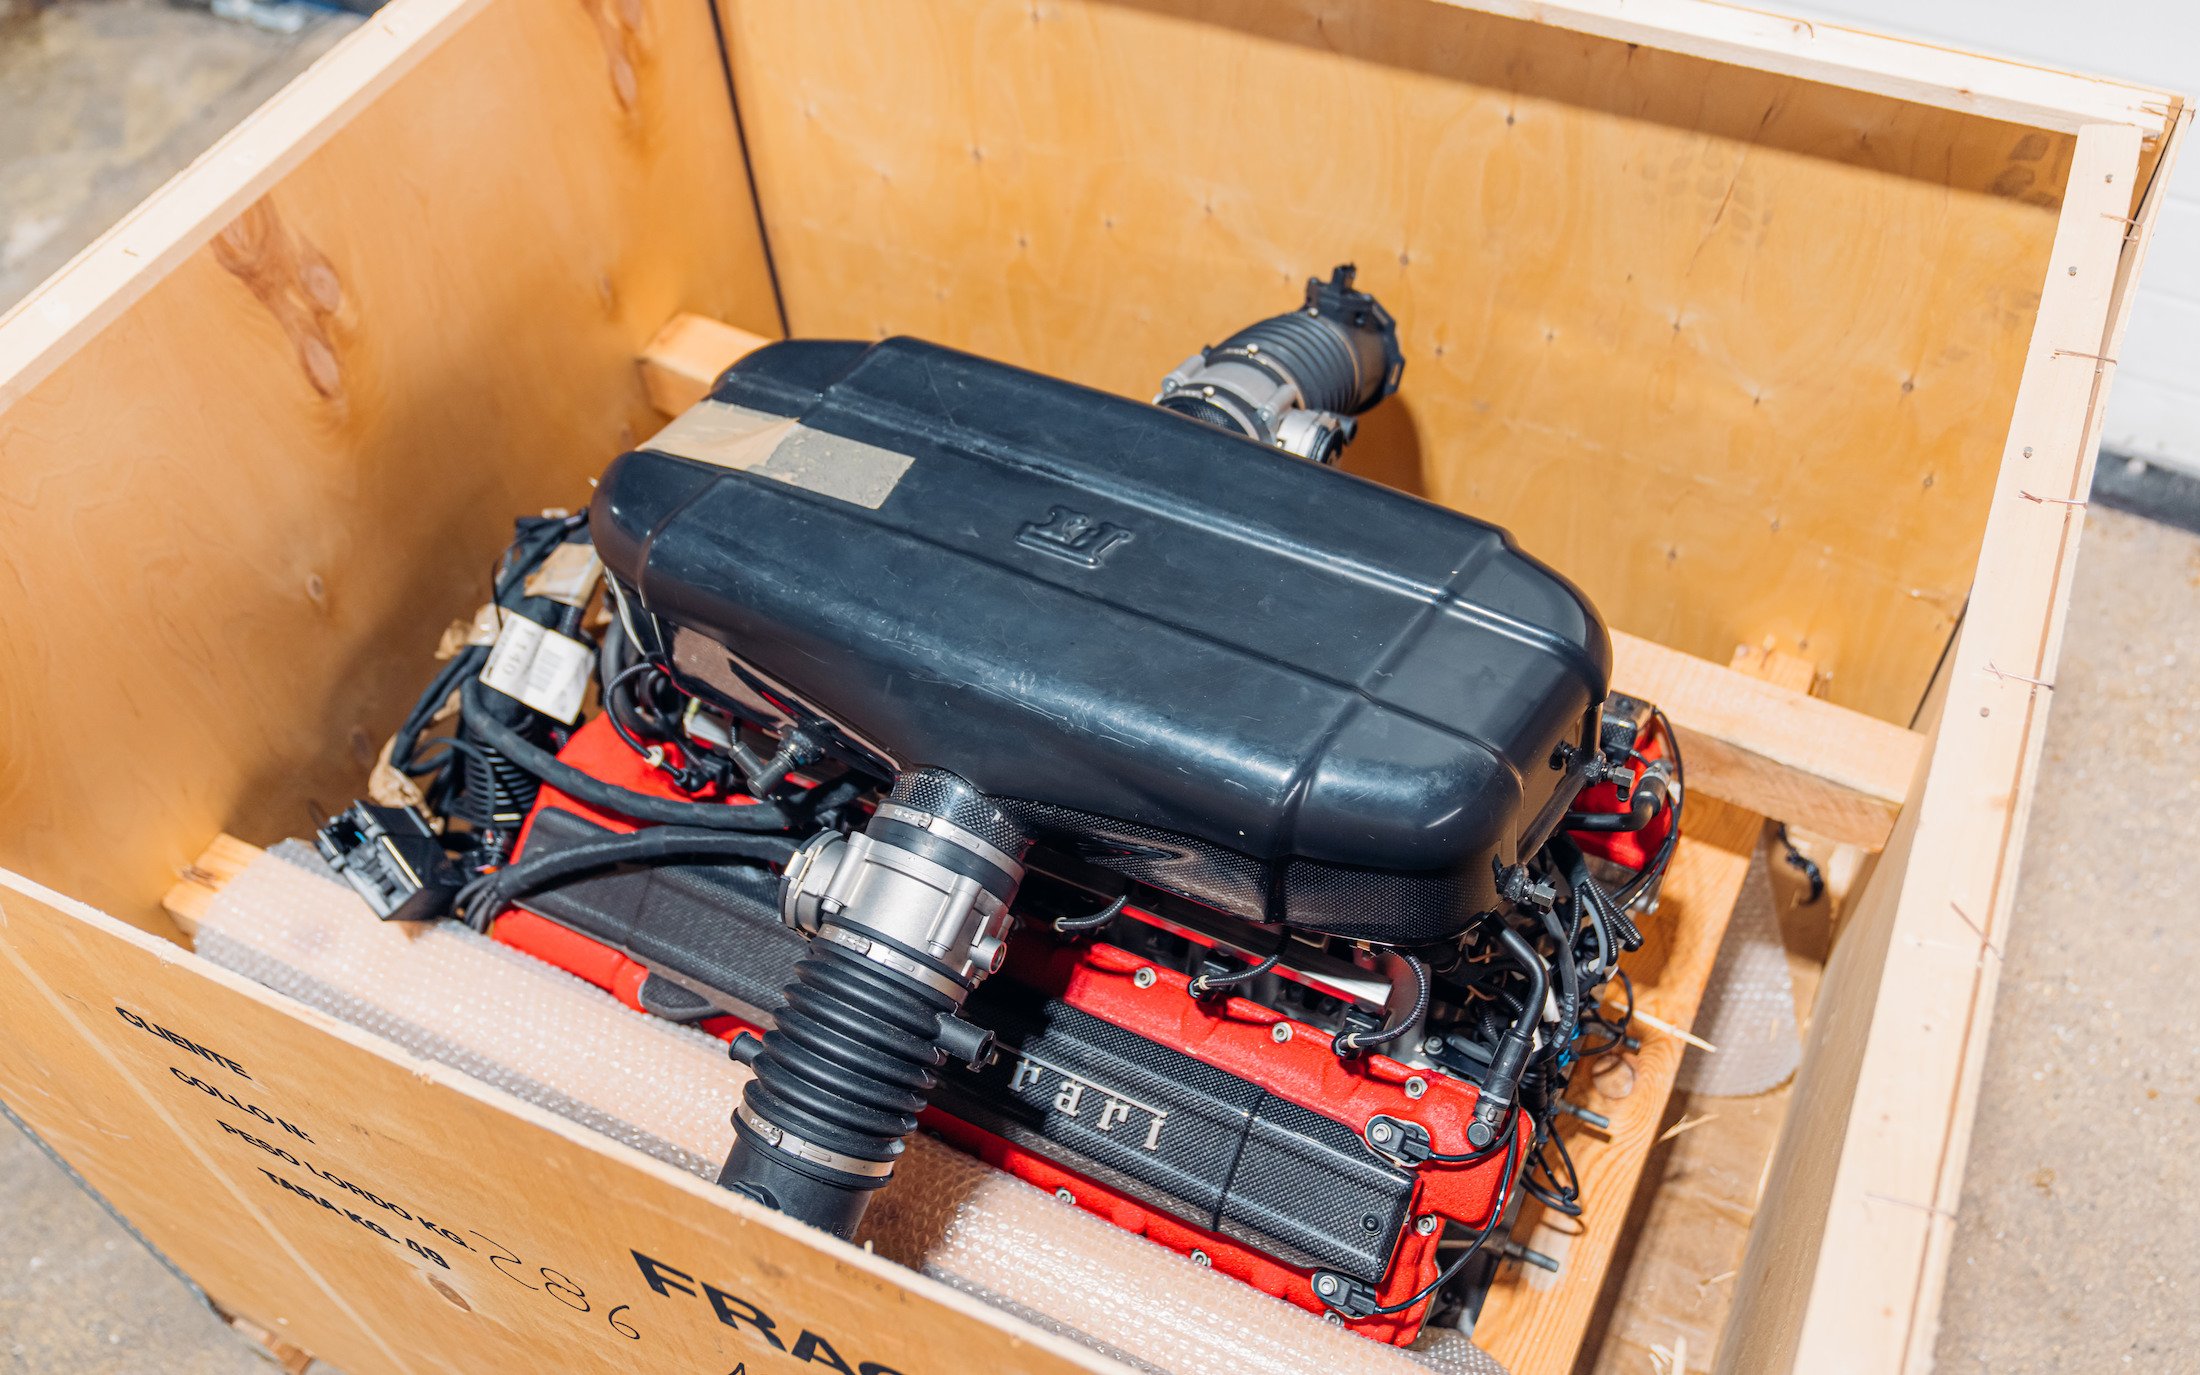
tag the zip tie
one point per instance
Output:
(2129, 222)
(1977, 930)
(1905, 1203)
(1660, 1024)
(2005, 675)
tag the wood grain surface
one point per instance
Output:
(391, 1215)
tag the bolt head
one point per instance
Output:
(1434, 1045)
(1325, 1285)
(1280, 1032)
(1201, 1259)
(1145, 978)
(1416, 1086)
(1065, 1196)
(1381, 1131)
(1425, 1224)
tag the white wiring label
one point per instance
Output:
(540, 667)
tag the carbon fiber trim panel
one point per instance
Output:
(1179, 1135)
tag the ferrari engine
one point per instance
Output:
(1237, 848)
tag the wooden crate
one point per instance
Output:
(1769, 333)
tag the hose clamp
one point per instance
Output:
(949, 831)
(779, 1138)
(879, 953)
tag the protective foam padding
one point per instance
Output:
(540, 1034)
(1748, 1008)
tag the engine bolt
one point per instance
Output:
(1434, 1045)
(1325, 1285)
(1065, 1196)
(1144, 978)
(1280, 1032)
(1416, 1086)
(1200, 1259)
(1425, 1224)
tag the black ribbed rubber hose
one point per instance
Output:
(852, 1061)
(1338, 368)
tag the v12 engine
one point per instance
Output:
(1234, 846)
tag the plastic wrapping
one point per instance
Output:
(540, 1034)
(1748, 1008)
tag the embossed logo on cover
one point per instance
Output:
(1073, 536)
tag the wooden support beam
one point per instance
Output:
(1773, 748)
(1975, 83)
(687, 355)
(222, 860)
(1751, 740)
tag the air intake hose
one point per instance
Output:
(905, 919)
(1295, 381)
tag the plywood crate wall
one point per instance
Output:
(1768, 333)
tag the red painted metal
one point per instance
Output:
(1231, 1034)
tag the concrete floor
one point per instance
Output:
(2079, 1230)
(2080, 1223)
(79, 1294)
(103, 100)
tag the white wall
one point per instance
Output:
(2154, 405)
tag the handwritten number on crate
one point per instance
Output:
(559, 1287)
(502, 1256)
(623, 1329)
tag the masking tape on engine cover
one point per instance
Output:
(784, 450)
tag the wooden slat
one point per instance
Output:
(200, 1153)
(1818, 50)
(224, 859)
(687, 355)
(1847, 1262)
(1774, 749)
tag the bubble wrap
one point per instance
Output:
(1748, 1008)
(540, 1034)
(1450, 1353)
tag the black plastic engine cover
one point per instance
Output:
(1269, 686)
